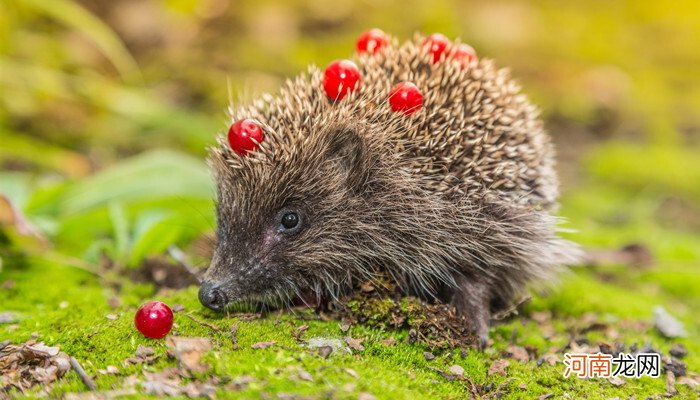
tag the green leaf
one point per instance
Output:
(120, 227)
(154, 232)
(75, 16)
(158, 174)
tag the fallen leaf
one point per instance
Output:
(304, 375)
(522, 385)
(41, 350)
(349, 387)
(389, 342)
(674, 365)
(299, 331)
(178, 307)
(428, 355)
(163, 383)
(189, 351)
(541, 316)
(239, 383)
(518, 353)
(671, 384)
(365, 396)
(498, 367)
(617, 381)
(144, 351)
(23, 366)
(114, 302)
(352, 372)
(457, 370)
(667, 324)
(678, 350)
(549, 358)
(8, 317)
(325, 351)
(263, 345)
(355, 344)
(686, 380)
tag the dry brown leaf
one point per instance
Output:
(325, 351)
(29, 364)
(457, 370)
(189, 351)
(299, 331)
(355, 344)
(352, 372)
(550, 358)
(498, 367)
(686, 380)
(617, 381)
(518, 353)
(304, 375)
(389, 342)
(263, 345)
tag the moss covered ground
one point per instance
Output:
(106, 109)
(67, 306)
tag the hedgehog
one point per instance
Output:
(417, 163)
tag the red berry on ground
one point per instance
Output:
(372, 41)
(340, 77)
(464, 53)
(245, 135)
(406, 98)
(154, 319)
(437, 43)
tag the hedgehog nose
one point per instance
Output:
(210, 296)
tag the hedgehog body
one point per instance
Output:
(452, 202)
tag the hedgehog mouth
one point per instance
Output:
(275, 300)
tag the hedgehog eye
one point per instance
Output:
(289, 222)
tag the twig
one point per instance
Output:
(234, 336)
(81, 372)
(208, 325)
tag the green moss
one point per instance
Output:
(619, 82)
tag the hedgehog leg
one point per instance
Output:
(472, 300)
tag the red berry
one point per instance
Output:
(340, 77)
(437, 43)
(406, 98)
(154, 319)
(372, 41)
(243, 135)
(464, 53)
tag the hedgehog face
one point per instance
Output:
(286, 227)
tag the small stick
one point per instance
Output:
(81, 372)
(208, 325)
(234, 337)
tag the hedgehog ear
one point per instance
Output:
(347, 150)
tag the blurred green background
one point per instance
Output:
(106, 107)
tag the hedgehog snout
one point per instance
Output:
(212, 296)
